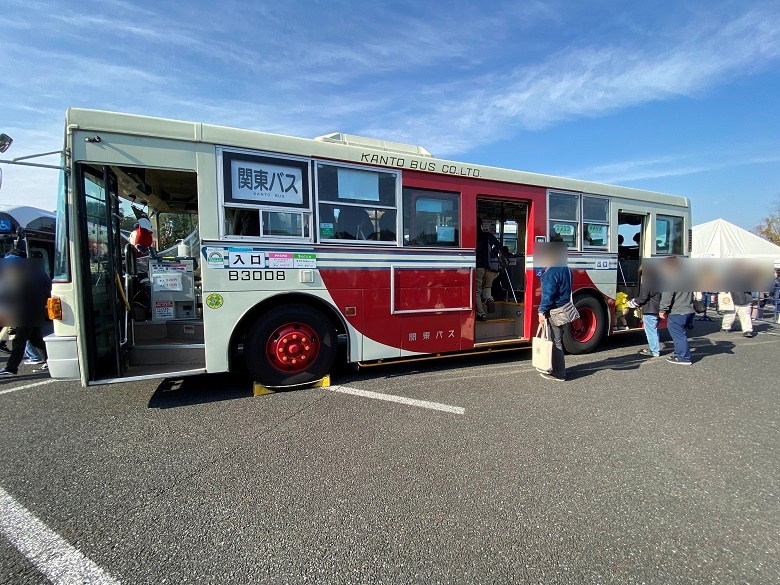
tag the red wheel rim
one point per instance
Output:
(292, 347)
(584, 328)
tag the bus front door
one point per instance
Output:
(101, 263)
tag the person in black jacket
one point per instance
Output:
(649, 303)
(25, 289)
(742, 301)
(488, 253)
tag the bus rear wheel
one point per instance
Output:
(585, 333)
(290, 345)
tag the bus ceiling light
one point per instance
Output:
(94, 138)
(5, 142)
(54, 308)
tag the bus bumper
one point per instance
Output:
(63, 357)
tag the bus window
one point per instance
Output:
(242, 222)
(285, 223)
(595, 222)
(431, 218)
(668, 235)
(356, 204)
(564, 213)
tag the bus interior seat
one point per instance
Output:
(387, 227)
(354, 224)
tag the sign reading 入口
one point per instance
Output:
(265, 182)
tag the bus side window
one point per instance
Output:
(431, 218)
(356, 203)
(242, 222)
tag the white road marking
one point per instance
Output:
(9, 390)
(61, 563)
(399, 399)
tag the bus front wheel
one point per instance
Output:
(584, 334)
(290, 345)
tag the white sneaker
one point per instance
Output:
(44, 368)
(4, 372)
(29, 362)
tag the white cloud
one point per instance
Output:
(590, 81)
(671, 166)
(450, 80)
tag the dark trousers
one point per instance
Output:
(558, 360)
(678, 329)
(23, 335)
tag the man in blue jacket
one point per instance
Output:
(556, 292)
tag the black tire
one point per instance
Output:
(260, 332)
(579, 343)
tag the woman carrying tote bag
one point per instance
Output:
(556, 308)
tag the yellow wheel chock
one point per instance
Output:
(260, 390)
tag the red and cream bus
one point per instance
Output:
(301, 247)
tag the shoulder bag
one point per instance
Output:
(568, 312)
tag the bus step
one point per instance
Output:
(167, 353)
(191, 331)
(495, 329)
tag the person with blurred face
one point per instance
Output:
(649, 302)
(556, 292)
(742, 301)
(676, 307)
(23, 298)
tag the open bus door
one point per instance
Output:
(507, 220)
(632, 231)
(101, 264)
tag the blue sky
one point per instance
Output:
(679, 97)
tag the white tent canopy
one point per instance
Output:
(721, 239)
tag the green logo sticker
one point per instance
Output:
(214, 301)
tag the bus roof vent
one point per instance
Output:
(373, 143)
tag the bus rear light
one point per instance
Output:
(54, 308)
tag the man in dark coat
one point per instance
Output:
(23, 295)
(488, 254)
(649, 302)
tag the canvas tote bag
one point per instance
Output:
(568, 312)
(541, 348)
(725, 302)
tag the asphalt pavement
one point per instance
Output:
(633, 471)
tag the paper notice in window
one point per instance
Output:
(167, 282)
(163, 310)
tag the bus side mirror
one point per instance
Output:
(5, 142)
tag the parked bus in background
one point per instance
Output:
(298, 247)
(29, 229)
